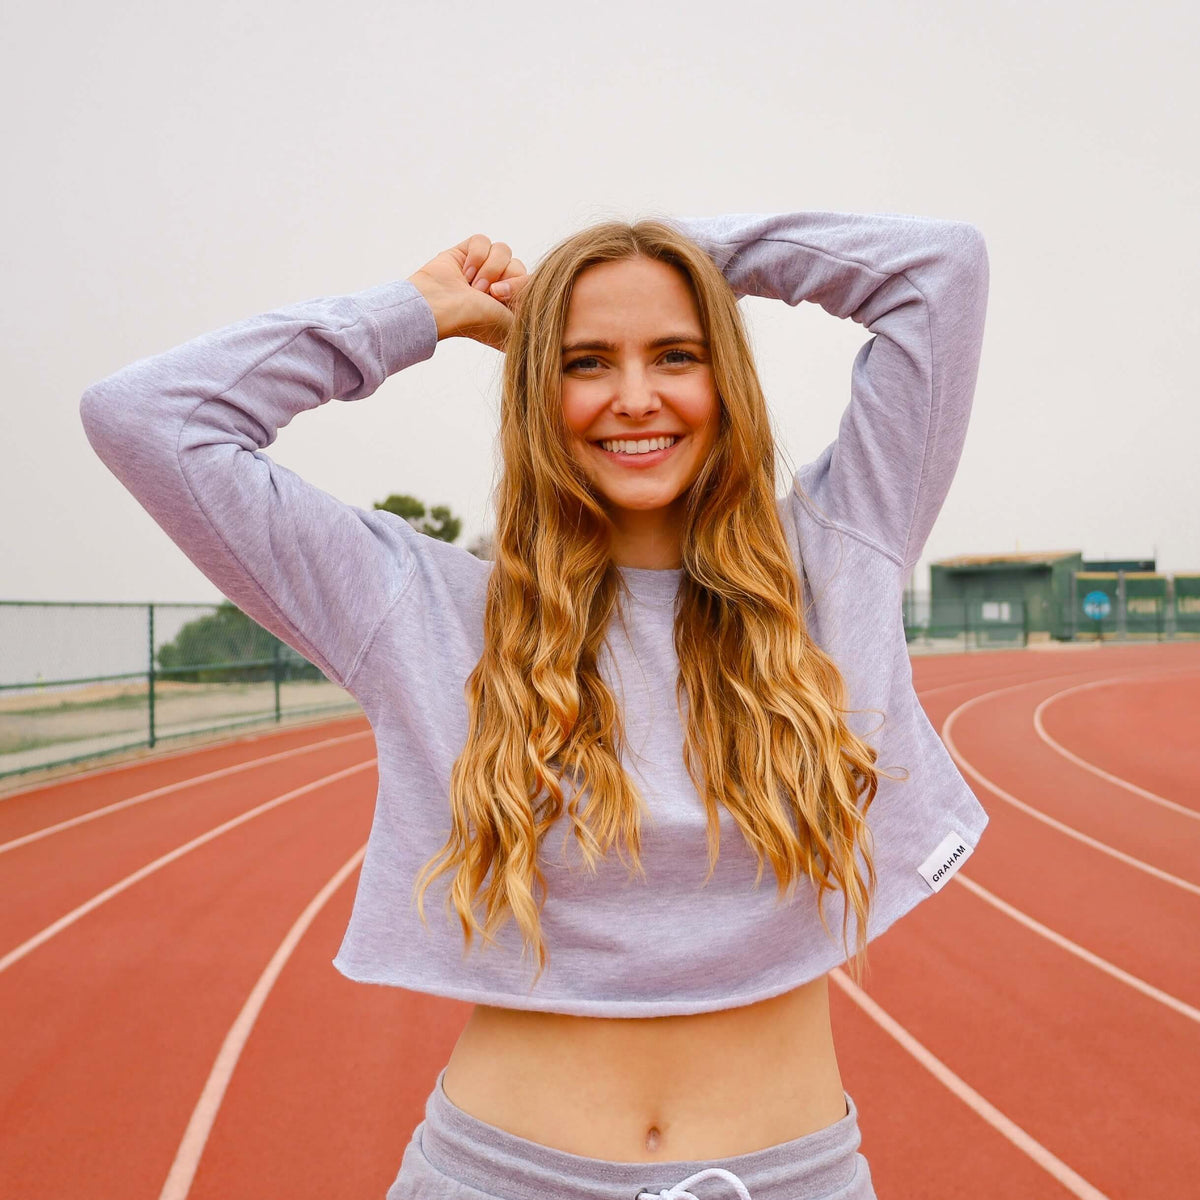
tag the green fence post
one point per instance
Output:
(276, 668)
(150, 674)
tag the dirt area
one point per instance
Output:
(39, 729)
(94, 693)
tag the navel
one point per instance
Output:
(653, 1138)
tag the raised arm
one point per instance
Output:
(184, 432)
(920, 286)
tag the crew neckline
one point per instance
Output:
(652, 585)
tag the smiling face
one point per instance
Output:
(635, 368)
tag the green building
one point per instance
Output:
(1003, 596)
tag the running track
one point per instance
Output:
(171, 1026)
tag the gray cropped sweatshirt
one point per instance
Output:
(396, 617)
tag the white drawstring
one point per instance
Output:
(680, 1190)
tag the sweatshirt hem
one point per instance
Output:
(969, 823)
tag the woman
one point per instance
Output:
(663, 661)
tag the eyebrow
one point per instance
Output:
(671, 339)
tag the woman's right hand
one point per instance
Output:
(471, 288)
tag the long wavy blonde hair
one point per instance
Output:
(764, 728)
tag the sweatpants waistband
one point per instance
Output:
(823, 1165)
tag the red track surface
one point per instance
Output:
(1053, 986)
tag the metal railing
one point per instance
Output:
(952, 625)
(81, 680)
(1096, 606)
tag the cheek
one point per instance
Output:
(578, 414)
(701, 410)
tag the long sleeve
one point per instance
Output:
(184, 432)
(920, 286)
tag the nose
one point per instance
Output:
(635, 396)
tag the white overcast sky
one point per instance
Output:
(174, 167)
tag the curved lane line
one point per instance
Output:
(179, 785)
(195, 1137)
(975, 680)
(1037, 814)
(1053, 1166)
(1140, 985)
(1183, 810)
(109, 768)
(121, 885)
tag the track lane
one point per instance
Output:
(195, 1137)
(56, 875)
(226, 1177)
(287, 1102)
(1053, 659)
(1101, 964)
(43, 805)
(1098, 902)
(1087, 1066)
(1133, 730)
(1133, 920)
(226, 773)
(921, 1141)
(995, 734)
(1017, 1137)
(123, 1013)
(333, 1081)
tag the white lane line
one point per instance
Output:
(1022, 675)
(195, 1137)
(1135, 673)
(1052, 1165)
(1058, 747)
(100, 898)
(1147, 989)
(157, 756)
(1036, 813)
(179, 785)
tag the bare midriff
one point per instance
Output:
(653, 1089)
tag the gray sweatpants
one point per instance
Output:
(454, 1156)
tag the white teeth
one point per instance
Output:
(644, 446)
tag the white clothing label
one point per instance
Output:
(952, 851)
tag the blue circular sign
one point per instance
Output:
(1097, 605)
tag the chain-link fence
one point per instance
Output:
(79, 680)
(964, 624)
(1107, 606)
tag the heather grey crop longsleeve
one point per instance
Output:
(397, 617)
(920, 287)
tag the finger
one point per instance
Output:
(507, 290)
(475, 249)
(492, 267)
(511, 282)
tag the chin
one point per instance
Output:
(641, 504)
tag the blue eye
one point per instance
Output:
(582, 362)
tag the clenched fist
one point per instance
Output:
(471, 288)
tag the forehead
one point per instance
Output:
(636, 294)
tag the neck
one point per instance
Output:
(647, 539)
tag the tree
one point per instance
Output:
(441, 522)
(484, 546)
(199, 651)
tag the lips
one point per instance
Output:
(648, 459)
